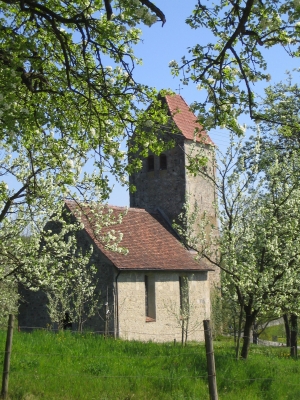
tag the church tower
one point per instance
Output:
(164, 182)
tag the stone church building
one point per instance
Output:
(147, 288)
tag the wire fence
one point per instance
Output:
(51, 358)
(195, 354)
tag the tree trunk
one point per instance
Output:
(250, 318)
(294, 334)
(255, 333)
(237, 350)
(234, 329)
(182, 332)
(186, 331)
(287, 330)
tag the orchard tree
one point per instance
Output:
(67, 97)
(259, 241)
(234, 59)
(76, 296)
(279, 109)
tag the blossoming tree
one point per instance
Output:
(229, 65)
(257, 242)
(68, 98)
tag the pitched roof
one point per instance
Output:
(150, 245)
(185, 120)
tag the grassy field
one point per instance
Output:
(276, 332)
(69, 366)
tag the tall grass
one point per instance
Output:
(69, 366)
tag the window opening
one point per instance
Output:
(150, 308)
(150, 163)
(163, 161)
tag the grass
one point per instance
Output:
(71, 366)
(274, 332)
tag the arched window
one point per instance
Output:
(162, 161)
(150, 163)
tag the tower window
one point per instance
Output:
(163, 161)
(150, 299)
(150, 163)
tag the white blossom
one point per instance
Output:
(173, 64)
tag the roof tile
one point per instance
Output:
(185, 120)
(146, 236)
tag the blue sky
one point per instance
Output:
(160, 45)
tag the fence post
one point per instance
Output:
(211, 369)
(8, 346)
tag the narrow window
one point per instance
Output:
(150, 161)
(163, 161)
(146, 296)
(184, 297)
(150, 298)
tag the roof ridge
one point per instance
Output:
(121, 208)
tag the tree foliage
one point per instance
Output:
(68, 98)
(76, 296)
(258, 245)
(234, 59)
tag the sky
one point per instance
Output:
(160, 45)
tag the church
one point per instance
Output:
(157, 290)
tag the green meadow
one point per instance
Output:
(69, 366)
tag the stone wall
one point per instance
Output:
(132, 318)
(169, 189)
(33, 311)
(201, 193)
(163, 188)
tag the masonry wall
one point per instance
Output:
(169, 189)
(33, 311)
(164, 188)
(199, 189)
(201, 194)
(105, 285)
(166, 327)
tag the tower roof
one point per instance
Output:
(185, 120)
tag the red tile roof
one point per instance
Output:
(151, 246)
(185, 120)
